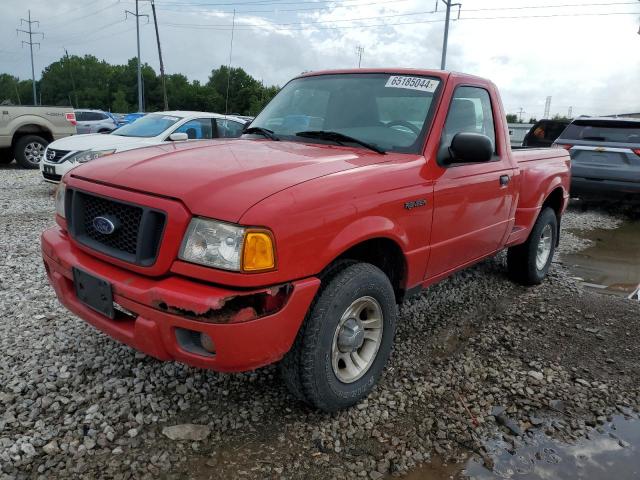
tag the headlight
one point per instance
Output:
(60, 195)
(226, 246)
(88, 155)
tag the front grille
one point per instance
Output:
(55, 156)
(52, 176)
(137, 229)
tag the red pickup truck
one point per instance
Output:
(350, 191)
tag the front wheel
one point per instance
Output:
(29, 150)
(345, 341)
(529, 263)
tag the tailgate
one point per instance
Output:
(605, 163)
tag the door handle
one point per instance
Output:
(504, 180)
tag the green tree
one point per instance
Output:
(86, 82)
(119, 103)
(512, 118)
(533, 120)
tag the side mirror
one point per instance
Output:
(470, 148)
(178, 137)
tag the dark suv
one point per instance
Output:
(544, 132)
(605, 157)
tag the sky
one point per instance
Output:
(584, 54)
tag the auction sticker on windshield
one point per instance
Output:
(413, 83)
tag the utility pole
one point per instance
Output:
(445, 41)
(31, 43)
(73, 84)
(138, 15)
(520, 112)
(359, 51)
(233, 26)
(547, 107)
(570, 112)
(164, 85)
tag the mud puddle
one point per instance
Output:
(609, 452)
(612, 264)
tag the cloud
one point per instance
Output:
(590, 63)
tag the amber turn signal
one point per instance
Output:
(258, 252)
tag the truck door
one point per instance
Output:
(472, 201)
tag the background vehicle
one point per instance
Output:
(26, 131)
(95, 121)
(544, 132)
(350, 191)
(152, 129)
(605, 158)
(132, 117)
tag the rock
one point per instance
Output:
(132, 432)
(187, 431)
(539, 376)
(582, 382)
(51, 448)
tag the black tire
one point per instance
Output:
(6, 156)
(22, 156)
(307, 369)
(522, 259)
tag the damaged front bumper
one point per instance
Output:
(166, 318)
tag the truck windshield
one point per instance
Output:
(150, 125)
(618, 131)
(389, 112)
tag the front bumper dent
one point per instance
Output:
(155, 326)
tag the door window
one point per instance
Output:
(229, 128)
(470, 112)
(197, 129)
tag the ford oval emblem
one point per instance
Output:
(104, 225)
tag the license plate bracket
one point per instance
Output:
(94, 292)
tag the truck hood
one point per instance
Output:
(222, 179)
(101, 141)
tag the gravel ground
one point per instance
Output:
(475, 355)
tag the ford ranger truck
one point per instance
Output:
(295, 243)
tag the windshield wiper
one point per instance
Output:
(597, 139)
(338, 137)
(265, 132)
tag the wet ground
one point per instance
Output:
(611, 450)
(612, 264)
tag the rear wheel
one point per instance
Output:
(345, 341)
(529, 263)
(29, 150)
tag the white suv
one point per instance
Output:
(152, 129)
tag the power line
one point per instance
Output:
(226, 103)
(31, 43)
(305, 26)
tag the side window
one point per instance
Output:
(196, 129)
(229, 128)
(470, 112)
(81, 116)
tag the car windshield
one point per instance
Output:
(387, 111)
(615, 131)
(148, 126)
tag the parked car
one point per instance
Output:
(94, 121)
(132, 117)
(351, 191)
(544, 132)
(152, 129)
(605, 158)
(25, 131)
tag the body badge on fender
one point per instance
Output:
(104, 225)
